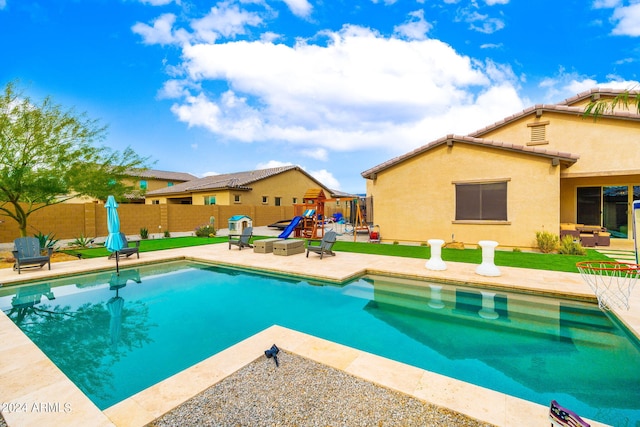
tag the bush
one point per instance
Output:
(206, 230)
(547, 242)
(46, 240)
(569, 247)
(82, 242)
(166, 233)
(144, 233)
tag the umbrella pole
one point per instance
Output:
(117, 264)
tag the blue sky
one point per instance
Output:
(334, 86)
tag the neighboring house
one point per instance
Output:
(526, 173)
(151, 179)
(281, 186)
(144, 181)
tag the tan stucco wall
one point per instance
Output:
(605, 146)
(415, 201)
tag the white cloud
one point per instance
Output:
(565, 85)
(491, 46)
(161, 32)
(272, 164)
(172, 89)
(317, 153)
(359, 91)
(606, 4)
(326, 177)
(3, 4)
(226, 20)
(321, 175)
(386, 2)
(301, 8)
(158, 2)
(628, 20)
(210, 174)
(483, 23)
(493, 2)
(270, 37)
(415, 28)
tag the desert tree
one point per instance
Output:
(50, 154)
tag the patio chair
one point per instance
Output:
(27, 253)
(128, 249)
(323, 246)
(241, 240)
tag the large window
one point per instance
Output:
(210, 200)
(481, 202)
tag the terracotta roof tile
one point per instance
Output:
(452, 139)
(236, 180)
(158, 174)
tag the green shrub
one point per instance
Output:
(46, 240)
(569, 247)
(82, 242)
(206, 230)
(166, 233)
(144, 233)
(517, 250)
(547, 242)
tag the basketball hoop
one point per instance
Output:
(611, 281)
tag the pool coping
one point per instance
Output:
(47, 384)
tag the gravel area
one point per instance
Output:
(301, 392)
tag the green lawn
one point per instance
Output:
(538, 261)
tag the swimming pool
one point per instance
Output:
(114, 336)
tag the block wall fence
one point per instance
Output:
(70, 221)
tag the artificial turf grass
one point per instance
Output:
(149, 245)
(533, 260)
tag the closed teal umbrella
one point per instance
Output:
(114, 305)
(114, 242)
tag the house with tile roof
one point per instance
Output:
(143, 181)
(281, 186)
(152, 179)
(532, 171)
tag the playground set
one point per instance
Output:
(310, 221)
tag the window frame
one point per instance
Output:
(486, 213)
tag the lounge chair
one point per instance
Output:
(127, 249)
(241, 240)
(27, 253)
(324, 246)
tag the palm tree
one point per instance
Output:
(628, 98)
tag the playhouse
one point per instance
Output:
(310, 216)
(238, 223)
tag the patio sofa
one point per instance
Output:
(589, 235)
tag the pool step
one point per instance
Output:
(513, 313)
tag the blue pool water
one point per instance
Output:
(114, 336)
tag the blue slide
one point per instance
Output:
(293, 224)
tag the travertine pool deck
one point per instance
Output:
(41, 394)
